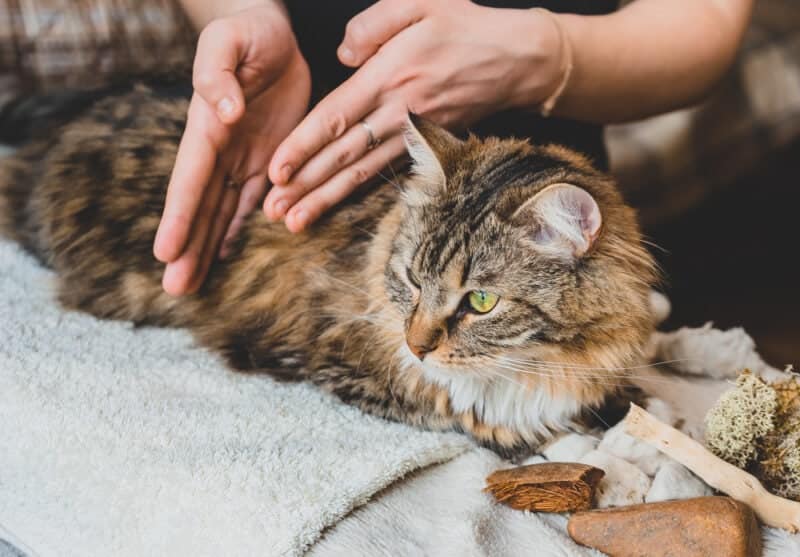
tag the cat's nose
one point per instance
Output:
(424, 335)
(419, 350)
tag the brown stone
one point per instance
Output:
(702, 527)
(548, 487)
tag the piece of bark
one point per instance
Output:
(552, 487)
(693, 527)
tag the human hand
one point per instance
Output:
(252, 87)
(452, 61)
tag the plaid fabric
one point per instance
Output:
(51, 44)
(670, 163)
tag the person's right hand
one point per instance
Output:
(252, 86)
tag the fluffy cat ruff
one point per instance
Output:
(537, 227)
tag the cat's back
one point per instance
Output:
(87, 195)
(95, 182)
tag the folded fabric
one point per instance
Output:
(124, 441)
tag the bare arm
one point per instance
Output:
(651, 56)
(203, 12)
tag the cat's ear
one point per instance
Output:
(563, 219)
(433, 149)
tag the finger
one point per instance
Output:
(332, 116)
(353, 145)
(375, 26)
(311, 207)
(251, 195)
(219, 52)
(179, 274)
(194, 165)
(230, 198)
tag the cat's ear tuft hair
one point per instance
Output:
(564, 220)
(432, 148)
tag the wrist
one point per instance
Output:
(203, 12)
(544, 59)
(565, 56)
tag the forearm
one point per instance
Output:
(202, 12)
(650, 57)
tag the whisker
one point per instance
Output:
(598, 416)
(590, 367)
(394, 184)
(367, 232)
(507, 378)
(598, 378)
(556, 372)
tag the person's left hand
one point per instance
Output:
(451, 61)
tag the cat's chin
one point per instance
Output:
(499, 399)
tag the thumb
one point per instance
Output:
(219, 52)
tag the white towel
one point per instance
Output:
(123, 441)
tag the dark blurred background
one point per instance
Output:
(718, 189)
(734, 259)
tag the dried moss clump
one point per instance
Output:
(740, 418)
(756, 426)
(779, 467)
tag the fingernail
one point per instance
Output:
(225, 107)
(301, 218)
(286, 172)
(346, 55)
(280, 207)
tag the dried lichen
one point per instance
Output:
(779, 467)
(756, 426)
(740, 418)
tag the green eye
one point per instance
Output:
(482, 301)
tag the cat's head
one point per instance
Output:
(516, 259)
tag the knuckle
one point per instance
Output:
(336, 124)
(216, 31)
(203, 80)
(295, 154)
(358, 175)
(425, 106)
(299, 186)
(398, 119)
(343, 157)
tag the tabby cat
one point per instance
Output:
(500, 288)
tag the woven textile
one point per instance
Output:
(54, 44)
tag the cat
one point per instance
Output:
(497, 288)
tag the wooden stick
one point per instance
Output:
(727, 478)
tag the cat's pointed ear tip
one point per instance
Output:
(415, 123)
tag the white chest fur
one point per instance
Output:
(499, 399)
